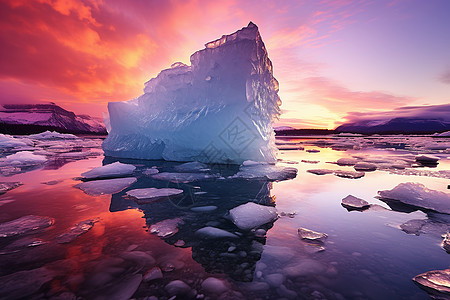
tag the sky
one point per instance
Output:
(335, 60)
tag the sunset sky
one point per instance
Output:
(333, 58)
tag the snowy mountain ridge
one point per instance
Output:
(35, 118)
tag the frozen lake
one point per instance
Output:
(135, 245)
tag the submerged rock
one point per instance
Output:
(251, 215)
(76, 231)
(353, 203)
(312, 236)
(25, 225)
(7, 186)
(413, 226)
(22, 244)
(152, 274)
(116, 169)
(214, 233)
(435, 282)
(177, 287)
(214, 285)
(105, 186)
(416, 194)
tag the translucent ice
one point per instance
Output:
(52, 135)
(417, 194)
(7, 186)
(265, 171)
(23, 159)
(167, 227)
(219, 109)
(252, 215)
(106, 186)
(25, 225)
(75, 231)
(116, 169)
(7, 141)
(154, 193)
(437, 281)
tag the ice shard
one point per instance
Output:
(217, 110)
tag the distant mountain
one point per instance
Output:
(36, 118)
(401, 125)
(297, 132)
(281, 128)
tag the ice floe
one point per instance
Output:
(251, 215)
(265, 171)
(349, 174)
(75, 231)
(7, 186)
(365, 166)
(23, 159)
(446, 242)
(416, 194)
(311, 236)
(24, 225)
(52, 135)
(183, 177)
(435, 282)
(166, 228)
(8, 141)
(154, 194)
(347, 161)
(116, 169)
(105, 186)
(320, 171)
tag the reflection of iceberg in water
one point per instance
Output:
(235, 257)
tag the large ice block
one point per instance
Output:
(217, 110)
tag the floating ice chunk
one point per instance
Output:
(313, 150)
(151, 171)
(446, 242)
(349, 174)
(214, 285)
(183, 177)
(353, 203)
(204, 208)
(167, 227)
(214, 233)
(23, 284)
(53, 135)
(191, 113)
(76, 231)
(265, 171)
(105, 186)
(24, 225)
(312, 236)
(427, 159)
(7, 141)
(22, 244)
(347, 161)
(23, 159)
(7, 186)
(365, 166)
(154, 194)
(194, 166)
(438, 281)
(116, 169)
(320, 171)
(446, 133)
(413, 226)
(416, 194)
(251, 215)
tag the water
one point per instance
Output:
(366, 254)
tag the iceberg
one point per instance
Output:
(217, 110)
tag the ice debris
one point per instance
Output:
(265, 171)
(427, 159)
(52, 135)
(312, 236)
(349, 174)
(151, 171)
(183, 177)
(154, 194)
(446, 242)
(7, 186)
(320, 171)
(105, 186)
(435, 282)
(75, 231)
(116, 169)
(251, 215)
(166, 228)
(8, 141)
(416, 194)
(23, 159)
(24, 225)
(354, 203)
(365, 166)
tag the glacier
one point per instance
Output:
(219, 109)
